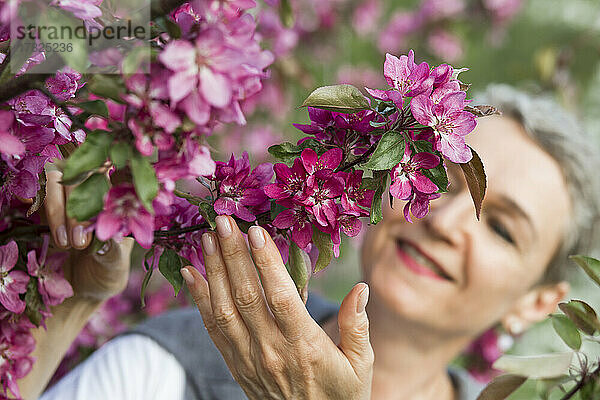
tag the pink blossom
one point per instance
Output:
(209, 76)
(124, 214)
(241, 191)
(321, 167)
(320, 197)
(299, 221)
(282, 242)
(9, 144)
(449, 121)
(16, 345)
(418, 204)
(20, 179)
(503, 10)
(290, 181)
(406, 78)
(82, 9)
(52, 285)
(407, 174)
(445, 45)
(355, 201)
(190, 160)
(440, 9)
(393, 37)
(12, 283)
(365, 17)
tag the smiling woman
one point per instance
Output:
(434, 286)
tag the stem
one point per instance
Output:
(584, 379)
(74, 119)
(194, 228)
(360, 159)
(24, 230)
(177, 232)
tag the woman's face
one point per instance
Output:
(487, 264)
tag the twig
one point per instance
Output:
(584, 379)
(360, 159)
(74, 119)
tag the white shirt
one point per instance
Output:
(130, 367)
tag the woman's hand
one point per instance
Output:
(272, 346)
(96, 275)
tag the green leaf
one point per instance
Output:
(297, 267)
(286, 14)
(144, 180)
(88, 157)
(340, 98)
(95, 107)
(376, 212)
(172, 28)
(501, 387)
(56, 21)
(169, 265)
(145, 283)
(276, 209)
(388, 153)
(476, 180)
(288, 152)
(33, 302)
(120, 154)
(590, 265)
(108, 86)
(209, 214)
(537, 367)
(325, 247)
(87, 199)
(437, 174)
(567, 331)
(582, 315)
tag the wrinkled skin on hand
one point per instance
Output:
(272, 346)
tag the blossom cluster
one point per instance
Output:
(38, 275)
(31, 128)
(315, 195)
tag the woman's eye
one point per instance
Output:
(501, 231)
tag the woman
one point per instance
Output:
(434, 286)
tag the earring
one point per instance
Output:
(515, 327)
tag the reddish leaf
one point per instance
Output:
(501, 387)
(476, 180)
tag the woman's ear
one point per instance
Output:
(534, 306)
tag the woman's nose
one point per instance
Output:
(449, 217)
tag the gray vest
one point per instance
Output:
(207, 375)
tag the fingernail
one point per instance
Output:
(363, 298)
(257, 239)
(79, 237)
(61, 236)
(187, 275)
(208, 244)
(223, 226)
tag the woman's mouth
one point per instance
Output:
(418, 262)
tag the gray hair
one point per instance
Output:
(562, 137)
